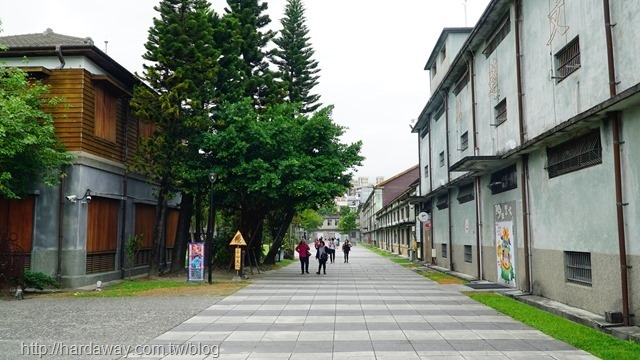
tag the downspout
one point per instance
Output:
(431, 189)
(524, 163)
(615, 130)
(446, 125)
(124, 193)
(60, 57)
(60, 232)
(476, 180)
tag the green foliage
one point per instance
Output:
(593, 341)
(134, 243)
(30, 151)
(348, 222)
(294, 57)
(310, 220)
(38, 280)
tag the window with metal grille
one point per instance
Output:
(465, 193)
(504, 180)
(464, 141)
(426, 171)
(468, 254)
(575, 154)
(498, 36)
(443, 250)
(443, 53)
(462, 82)
(500, 112)
(568, 59)
(443, 202)
(441, 157)
(577, 267)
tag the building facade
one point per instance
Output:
(76, 232)
(527, 150)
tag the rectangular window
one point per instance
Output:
(105, 118)
(443, 202)
(461, 83)
(500, 112)
(145, 219)
(443, 250)
(102, 235)
(443, 53)
(468, 254)
(441, 157)
(426, 171)
(439, 113)
(568, 59)
(504, 180)
(464, 141)
(501, 33)
(577, 268)
(575, 154)
(145, 129)
(466, 193)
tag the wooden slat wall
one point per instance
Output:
(102, 225)
(172, 226)
(75, 122)
(16, 217)
(145, 219)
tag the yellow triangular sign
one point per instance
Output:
(238, 240)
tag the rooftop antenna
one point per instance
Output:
(106, 42)
(465, 13)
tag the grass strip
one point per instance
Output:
(591, 340)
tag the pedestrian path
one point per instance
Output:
(369, 308)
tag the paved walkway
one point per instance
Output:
(369, 308)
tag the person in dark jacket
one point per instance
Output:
(322, 255)
(346, 248)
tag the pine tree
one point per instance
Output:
(181, 81)
(294, 58)
(246, 39)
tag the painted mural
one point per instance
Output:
(505, 243)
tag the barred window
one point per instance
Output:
(441, 158)
(504, 180)
(464, 141)
(577, 268)
(426, 171)
(466, 193)
(575, 154)
(568, 59)
(462, 82)
(443, 250)
(468, 254)
(500, 112)
(443, 202)
(499, 35)
(439, 113)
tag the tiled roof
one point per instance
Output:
(46, 38)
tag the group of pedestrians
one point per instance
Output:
(324, 252)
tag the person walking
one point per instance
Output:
(303, 254)
(346, 248)
(322, 257)
(332, 251)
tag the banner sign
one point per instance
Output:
(196, 262)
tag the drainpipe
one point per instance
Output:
(524, 163)
(446, 125)
(431, 189)
(124, 193)
(60, 232)
(476, 180)
(615, 130)
(60, 57)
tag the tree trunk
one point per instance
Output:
(251, 225)
(182, 233)
(161, 214)
(270, 258)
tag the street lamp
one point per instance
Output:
(212, 178)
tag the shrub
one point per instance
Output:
(38, 280)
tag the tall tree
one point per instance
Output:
(246, 38)
(294, 58)
(181, 75)
(30, 150)
(348, 223)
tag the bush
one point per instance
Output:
(38, 280)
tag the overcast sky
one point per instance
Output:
(371, 54)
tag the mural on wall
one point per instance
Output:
(505, 243)
(494, 91)
(554, 21)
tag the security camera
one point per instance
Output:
(88, 198)
(71, 198)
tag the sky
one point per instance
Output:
(371, 54)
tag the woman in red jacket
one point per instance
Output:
(303, 254)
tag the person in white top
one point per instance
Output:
(332, 251)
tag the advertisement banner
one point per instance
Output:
(505, 243)
(196, 262)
